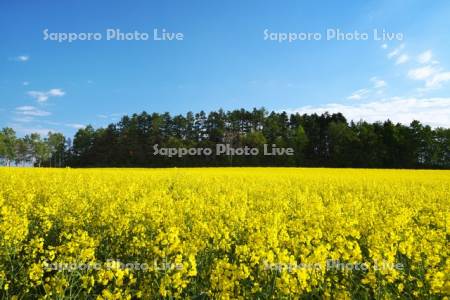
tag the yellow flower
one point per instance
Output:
(224, 233)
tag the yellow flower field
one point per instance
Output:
(230, 233)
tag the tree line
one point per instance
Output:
(33, 149)
(326, 140)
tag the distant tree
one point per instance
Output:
(22, 152)
(325, 140)
(442, 148)
(56, 147)
(8, 145)
(82, 146)
(215, 126)
(342, 141)
(299, 142)
(200, 126)
(40, 149)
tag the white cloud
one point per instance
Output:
(25, 108)
(431, 111)
(41, 131)
(402, 59)
(23, 119)
(21, 58)
(384, 46)
(31, 111)
(433, 77)
(112, 116)
(27, 130)
(76, 126)
(56, 92)
(378, 83)
(41, 96)
(421, 73)
(358, 95)
(396, 51)
(437, 80)
(425, 57)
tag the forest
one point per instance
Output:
(326, 140)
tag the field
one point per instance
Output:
(224, 233)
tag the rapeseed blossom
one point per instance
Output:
(224, 233)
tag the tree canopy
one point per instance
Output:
(326, 140)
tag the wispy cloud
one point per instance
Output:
(112, 116)
(39, 96)
(42, 96)
(378, 83)
(358, 94)
(23, 119)
(396, 51)
(425, 57)
(28, 128)
(432, 74)
(437, 80)
(75, 125)
(421, 73)
(402, 59)
(31, 111)
(21, 58)
(56, 92)
(432, 111)
(378, 86)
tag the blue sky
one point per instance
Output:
(223, 61)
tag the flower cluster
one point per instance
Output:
(235, 233)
